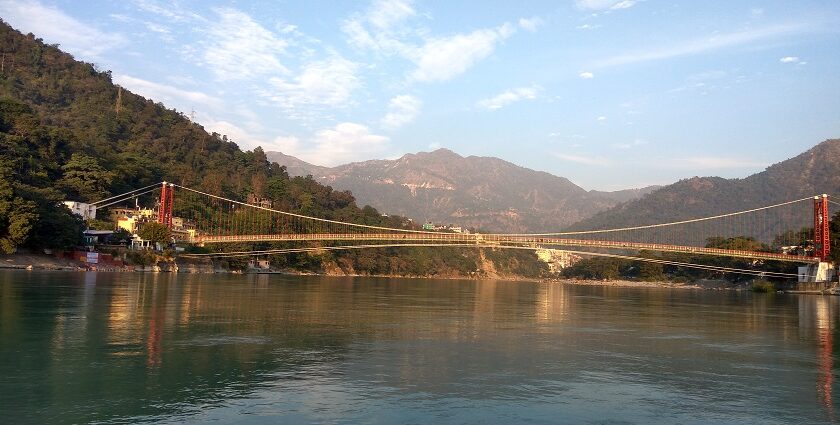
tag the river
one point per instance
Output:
(164, 348)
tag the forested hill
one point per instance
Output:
(813, 172)
(68, 132)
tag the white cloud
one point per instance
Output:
(586, 75)
(171, 96)
(509, 96)
(328, 83)
(434, 146)
(385, 14)
(792, 59)
(379, 28)
(588, 27)
(441, 59)
(531, 24)
(54, 26)
(605, 4)
(240, 48)
(385, 28)
(586, 160)
(403, 109)
(702, 45)
(602, 118)
(347, 142)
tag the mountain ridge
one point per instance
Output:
(472, 191)
(801, 176)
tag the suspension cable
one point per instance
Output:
(364, 226)
(127, 198)
(126, 193)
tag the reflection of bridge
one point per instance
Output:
(794, 231)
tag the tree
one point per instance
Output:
(84, 178)
(17, 215)
(155, 233)
(650, 272)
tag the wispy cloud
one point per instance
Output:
(237, 47)
(51, 24)
(171, 11)
(509, 96)
(441, 59)
(586, 75)
(327, 83)
(531, 24)
(702, 45)
(581, 159)
(402, 110)
(387, 29)
(605, 4)
(630, 145)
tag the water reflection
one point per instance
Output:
(81, 347)
(818, 319)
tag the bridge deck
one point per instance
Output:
(480, 239)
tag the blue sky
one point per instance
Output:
(609, 93)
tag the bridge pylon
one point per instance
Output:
(822, 240)
(167, 196)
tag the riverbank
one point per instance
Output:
(189, 266)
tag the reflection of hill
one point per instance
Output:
(125, 347)
(156, 345)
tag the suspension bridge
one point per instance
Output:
(792, 231)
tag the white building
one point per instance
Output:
(81, 209)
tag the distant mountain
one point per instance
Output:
(813, 172)
(480, 192)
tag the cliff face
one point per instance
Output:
(480, 192)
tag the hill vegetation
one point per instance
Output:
(68, 132)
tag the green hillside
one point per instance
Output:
(68, 132)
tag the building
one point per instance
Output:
(81, 209)
(95, 237)
(259, 201)
(131, 219)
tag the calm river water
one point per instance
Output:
(163, 348)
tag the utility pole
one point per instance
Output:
(118, 107)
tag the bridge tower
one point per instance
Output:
(167, 195)
(822, 241)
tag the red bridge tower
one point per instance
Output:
(167, 194)
(822, 242)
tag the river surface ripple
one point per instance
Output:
(255, 349)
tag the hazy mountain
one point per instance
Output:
(813, 172)
(481, 192)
